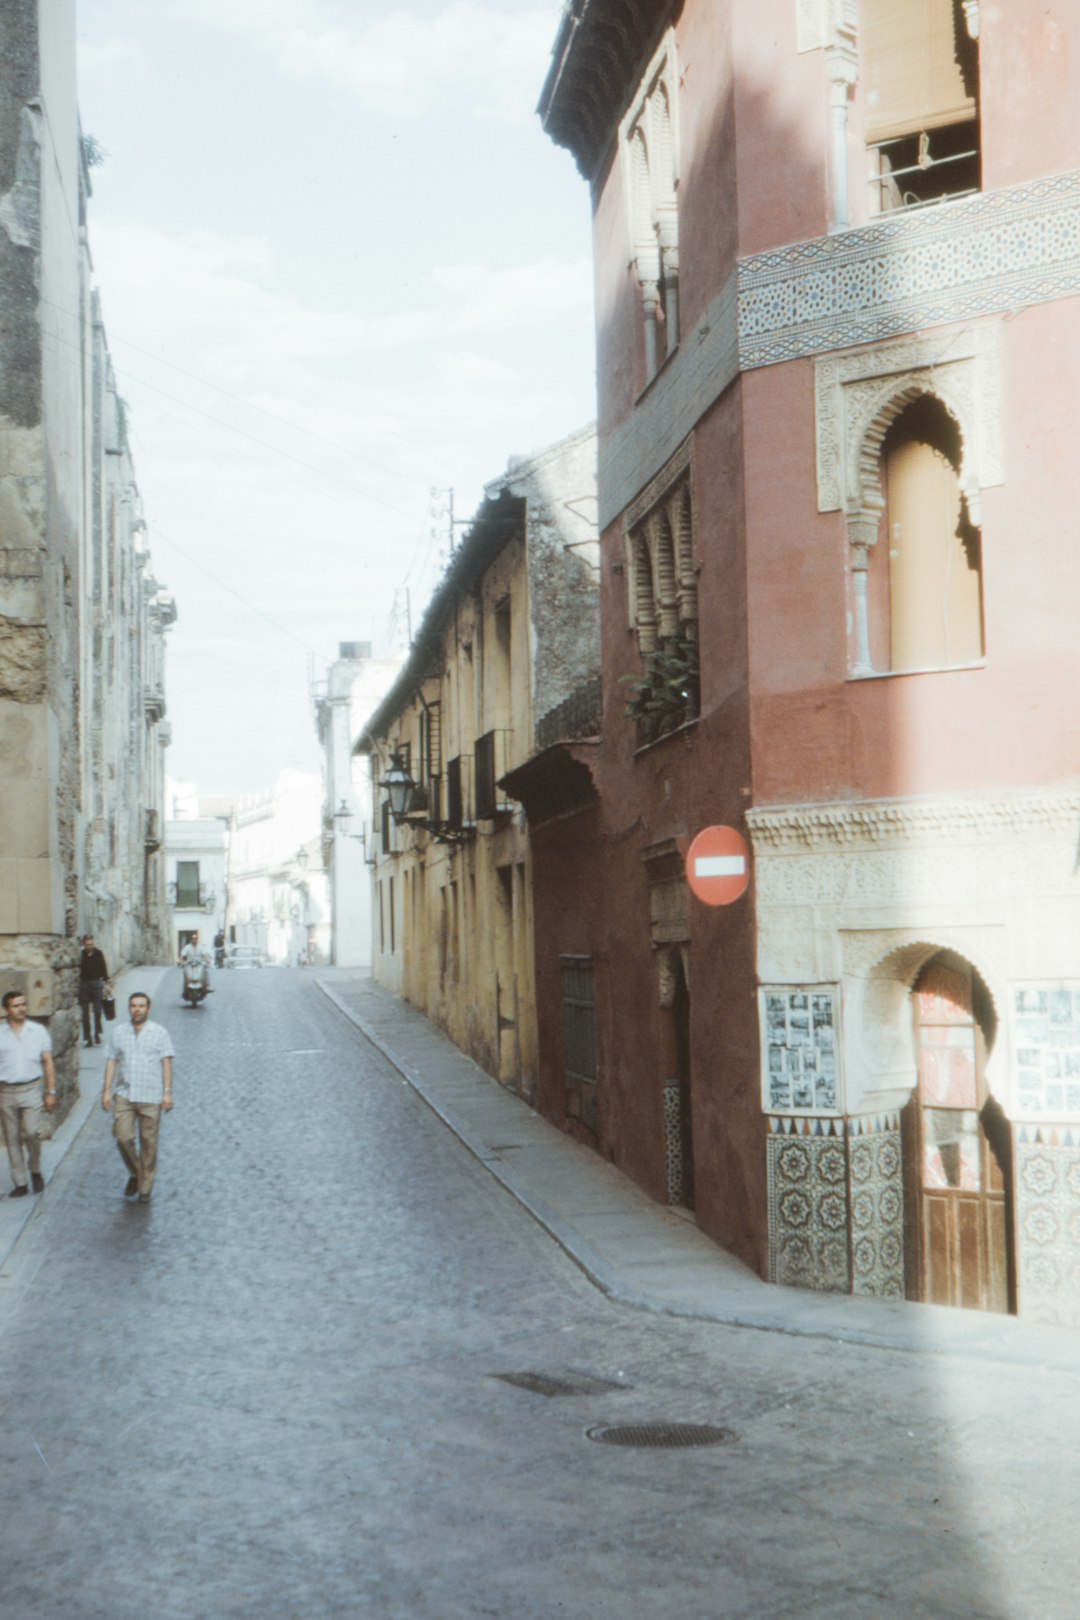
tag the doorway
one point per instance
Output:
(957, 1148)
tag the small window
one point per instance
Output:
(187, 884)
(579, 1038)
(925, 573)
(454, 797)
(921, 83)
(485, 777)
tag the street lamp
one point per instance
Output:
(302, 857)
(398, 785)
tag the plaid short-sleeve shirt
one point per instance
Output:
(138, 1056)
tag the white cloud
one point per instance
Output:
(475, 59)
(291, 451)
(109, 57)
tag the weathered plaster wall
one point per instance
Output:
(80, 618)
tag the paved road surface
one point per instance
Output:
(273, 1393)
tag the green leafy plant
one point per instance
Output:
(665, 695)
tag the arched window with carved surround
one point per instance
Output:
(924, 574)
(649, 145)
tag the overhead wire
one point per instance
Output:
(208, 382)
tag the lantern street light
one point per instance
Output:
(398, 785)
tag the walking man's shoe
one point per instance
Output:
(88, 1043)
(132, 1187)
(144, 1198)
(18, 1192)
(37, 1181)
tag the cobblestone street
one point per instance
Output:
(274, 1392)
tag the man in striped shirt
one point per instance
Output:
(138, 1070)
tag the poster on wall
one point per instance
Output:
(801, 1046)
(1046, 1044)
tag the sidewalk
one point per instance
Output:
(17, 1213)
(641, 1253)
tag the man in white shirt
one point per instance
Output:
(27, 1091)
(138, 1070)
(192, 954)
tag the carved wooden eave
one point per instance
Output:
(598, 58)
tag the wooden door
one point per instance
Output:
(961, 1141)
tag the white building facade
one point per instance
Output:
(277, 892)
(354, 687)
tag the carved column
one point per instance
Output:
(862, 528)
(843, 63)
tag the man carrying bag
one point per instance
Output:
(93, 986)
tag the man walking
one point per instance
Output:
(27, 1091)
(138, 1069)
(93, 977)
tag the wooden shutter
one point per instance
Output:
(935, 592)
(911, 74)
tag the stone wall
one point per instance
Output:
(81, 617)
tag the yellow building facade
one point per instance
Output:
(510, 634)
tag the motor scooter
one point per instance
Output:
(196, 981)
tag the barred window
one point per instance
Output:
(579, 1038)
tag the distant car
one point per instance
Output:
(244, 956)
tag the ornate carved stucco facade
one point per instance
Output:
(905, 809)
(82, 619)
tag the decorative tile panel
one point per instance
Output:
(808, 1205)
(977, 256)
(876, 1193)
(1047, 1197)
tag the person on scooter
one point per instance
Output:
(193, 953)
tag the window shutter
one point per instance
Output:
(910, 69)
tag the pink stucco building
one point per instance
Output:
(837, 250)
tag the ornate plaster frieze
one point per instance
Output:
(897, 822)
(825, 24)
(854, 393)
(654, 492)
(1001, 251)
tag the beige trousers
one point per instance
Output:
(24, 1122)
(141, 1162)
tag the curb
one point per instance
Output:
(926, 1330)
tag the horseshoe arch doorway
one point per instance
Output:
(957, 1148)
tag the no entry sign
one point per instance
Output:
(718, 865)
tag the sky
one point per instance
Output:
(341, 267)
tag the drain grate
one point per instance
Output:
(561, 1383)
(662, 1434)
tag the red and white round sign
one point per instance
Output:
(718, 865)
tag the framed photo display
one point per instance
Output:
(800, 1043)
(1046, 1050)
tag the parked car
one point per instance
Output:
(244, 956)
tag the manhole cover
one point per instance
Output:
(661, 1434)
(562, 1383)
